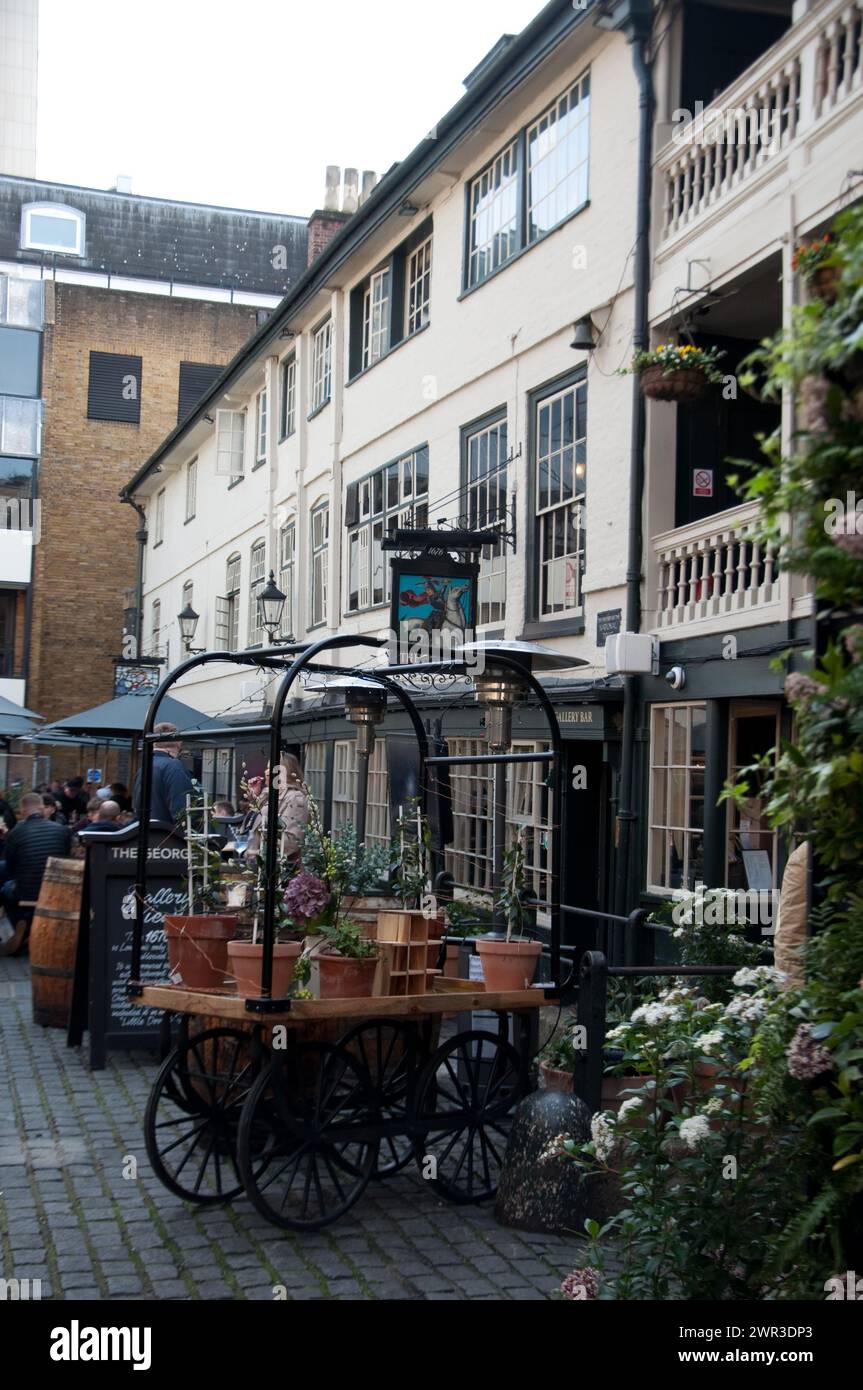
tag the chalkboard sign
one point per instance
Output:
(100, 1002)
(607, 624)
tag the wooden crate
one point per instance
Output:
(404, 934)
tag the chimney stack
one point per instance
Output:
(326, 221)
(370, 179)
(350, 193)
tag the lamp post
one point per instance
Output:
(271, 602)
(187, 621)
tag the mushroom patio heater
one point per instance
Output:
(500, 690)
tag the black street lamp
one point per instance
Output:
(272, 603)
(188, 622)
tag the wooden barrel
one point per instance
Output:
(54, 939)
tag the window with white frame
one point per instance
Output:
(315, 771)
(227, 634)
(322, 365)
(261, 426)
(469, 858)
(378, 802)
(395, 495)
(319, 524)
(230, 443)
(155, 627)
(257, 575)
(52, 227)
(485, 485)
(419, 287)
(376, 317)
(558, 148)
(159, 519)
(560, 466)
(675, 856)
(289, 396)
(754, 731)
(287, 576)
(543, 170)
(344, 782)
(530, 810)
(191, 488)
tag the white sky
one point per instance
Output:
(245, 103)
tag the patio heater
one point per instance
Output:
(365, 707)
(500, 690)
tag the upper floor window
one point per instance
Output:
(230, 442)
(228, 608)
(195, 380)
(395, 495)
(320, 545)
(287, 575)
(419, 286)
(392, 303)
(191, 488)
(559, 447)
(52, 227)
(322, 365)
(20, 360)
(21, 302)
(159, 521)
(376, 317)
(257, 574)
(114, 388)
(484, 451)
(155, 627)
(261, 426)
(544, 170)
(289, 397)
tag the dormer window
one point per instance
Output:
(52, 227)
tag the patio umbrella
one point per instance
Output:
(124, 718)
(15, 720)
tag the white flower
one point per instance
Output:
(713, 1106)
(707, 1041)
(602, 1134)
(759, 975)
(677, 1049)
(555, 1148)
(693, 1130)
(749, 1008)
(614, 1033)
(655, 1013)
(630, 1106)
(677, 933)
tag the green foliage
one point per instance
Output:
(708, 927)
(347, 938)
(513, 886)
(671, 357)
(410, 855)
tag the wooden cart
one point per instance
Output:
(303, 1103)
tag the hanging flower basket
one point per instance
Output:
(816, 262)
(676, 373)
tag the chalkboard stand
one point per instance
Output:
(103, 957)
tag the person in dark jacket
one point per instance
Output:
(105, 818)
(73, 802)
(171, 782)
(28, 848)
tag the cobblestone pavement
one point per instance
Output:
(69, 1217)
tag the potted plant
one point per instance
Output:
(360, 871)
(510, 963)
(819, 266)
(198, 939)
(347, 962)
(557, 1061)
(672, 372)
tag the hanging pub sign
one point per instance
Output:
(137, 678)
(434, 607)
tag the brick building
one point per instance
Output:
(116, 313)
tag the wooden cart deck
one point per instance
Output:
(175, 999)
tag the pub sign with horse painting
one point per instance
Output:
(434, 603)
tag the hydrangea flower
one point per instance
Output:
(694, 1130)
(807, 1058)
(707, 1041)
(758, 975)
(581, 1284)
(748, 1008)
(602, 1134)
(654, 1014)
(305, 897)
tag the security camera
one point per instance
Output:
(676, 677)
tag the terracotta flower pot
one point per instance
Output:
(555, 1078)
(346, 977)
(682, 384)
(508, 964)
(198, 949)
(245, 962)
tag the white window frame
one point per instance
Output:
(230, 443)
(58, 212)
(689, 831)
(322, 365)
(159, 518)
(767, 837)
(344, 782)
(485, 486)
(289, 396)
(288, 575)
(319, 559)
(418, 287)
(376, 516)
(568, 156)
(227, 634)
(257, 580)
(315, 771)
(493, 214)
(560, 518)
(376, 316)
(191, 488)
(378, 800)
(155, 626)
(261, 426)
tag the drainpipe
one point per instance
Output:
(141, 538)
(636, 24)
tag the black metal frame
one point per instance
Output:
(299, 657)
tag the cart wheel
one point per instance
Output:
(388, 1052)
(190, 1124)
(304, 1147)
(465, 1099)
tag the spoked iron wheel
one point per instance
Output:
(388, 1053)
(193, 1113)
(465, 1101)
(304, 1145)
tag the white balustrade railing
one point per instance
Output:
(714, 569)
(801, 79)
